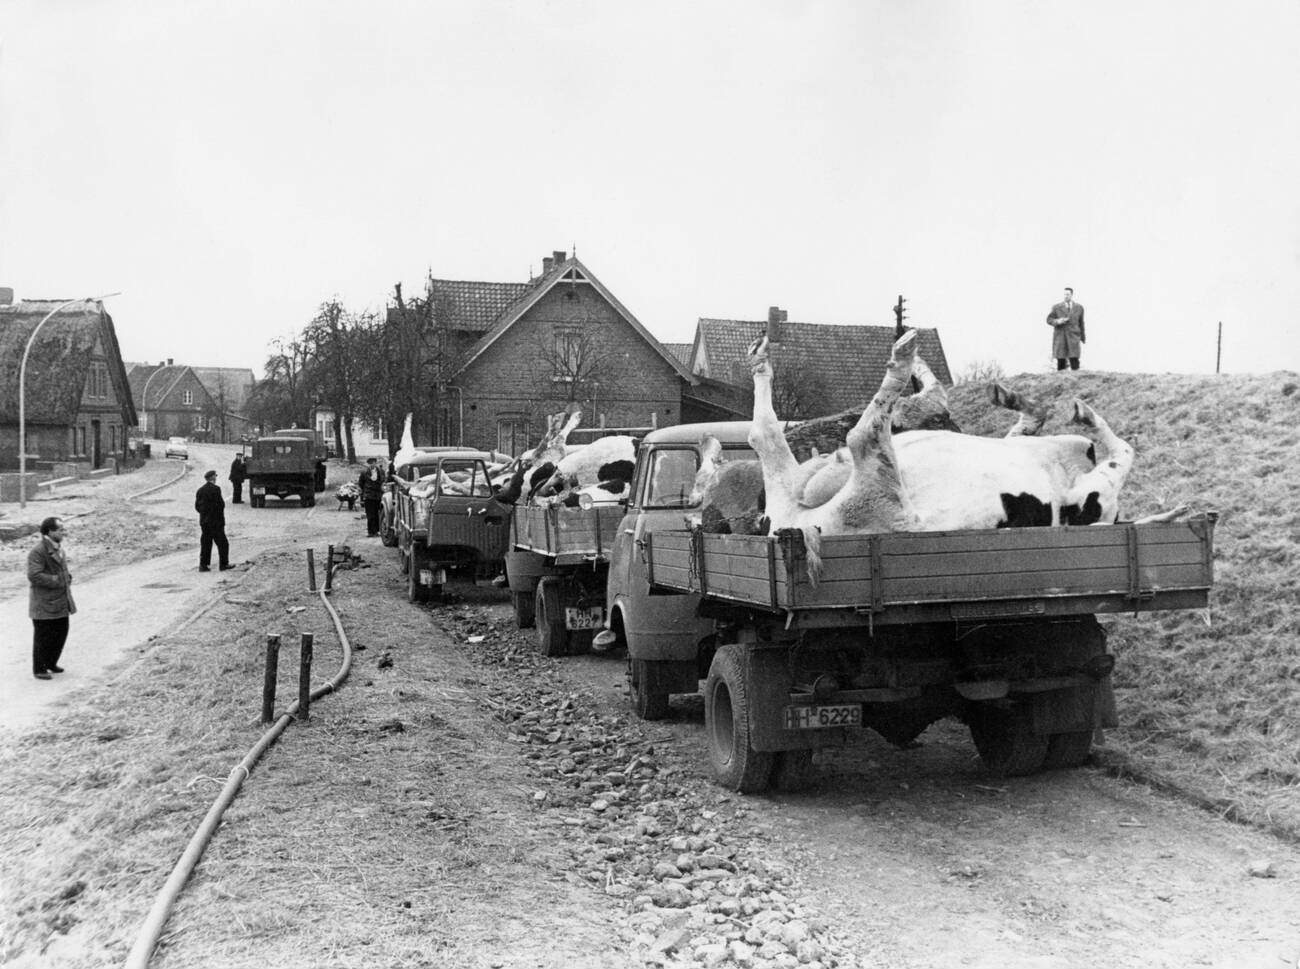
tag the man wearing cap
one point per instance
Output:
(50, 603)
(212, 524)
(371, 486)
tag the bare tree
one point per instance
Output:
(982, 372)
(331, 337)
(282, 397)
(576, 363)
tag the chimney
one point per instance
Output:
(546, 265)
(775, 317)
(559, 256)
(169, 361)
(6, 296)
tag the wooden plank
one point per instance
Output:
(1011, 539)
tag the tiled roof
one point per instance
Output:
(682, 351)
(59, 359)
(474, 306)
(848, 360)
(232, 383)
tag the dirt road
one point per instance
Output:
(465, 801)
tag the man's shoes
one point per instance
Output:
(204, 568)
(43, 675)
(225, 568)
(56, 669)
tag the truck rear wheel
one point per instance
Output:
(1066, 750)
(1006, 740)
(736, 764)
(387, 533)
(525, 609)
(552, 637)
(650, 688)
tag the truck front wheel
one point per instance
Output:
(1005, 739)
(551, 634)
(736, 764)
(414, 591)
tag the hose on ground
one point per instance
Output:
(151, 930)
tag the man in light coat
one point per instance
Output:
(50, 600)
(1068, 336)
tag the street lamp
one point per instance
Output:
(144, 399)
(22, 394)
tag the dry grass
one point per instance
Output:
(1207, 700)
(394, 829)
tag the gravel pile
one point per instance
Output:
(694, 872)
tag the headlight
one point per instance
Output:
(585, 501)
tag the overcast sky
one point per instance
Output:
(230, 165)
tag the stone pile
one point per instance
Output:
(696, 875)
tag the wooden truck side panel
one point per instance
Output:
(918, 576)
(568, 535)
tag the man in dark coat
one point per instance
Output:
(1068, 337)
(237, 475)
(371, 484)
(50, 600)
(212, 524)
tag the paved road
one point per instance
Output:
(119, 610)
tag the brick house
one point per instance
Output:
(819, 368)
(524, 350)
(201, 403)
(78, 405)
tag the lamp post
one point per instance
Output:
(144, 397)
(22, 394)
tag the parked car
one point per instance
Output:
(177, 447)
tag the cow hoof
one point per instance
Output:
(1083, 414)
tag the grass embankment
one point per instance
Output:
(1208, 701)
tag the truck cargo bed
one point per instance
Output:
(569, 535)
(936, 576)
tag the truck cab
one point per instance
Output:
(668, 646)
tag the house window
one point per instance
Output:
(378, 432)
(97, 381)
(187, 397)
(568, 354)
(512, 435)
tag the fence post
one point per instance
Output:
(311, 570)
(304, 678)
(329, 571)
(268, 683)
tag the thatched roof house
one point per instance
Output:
(78, 403)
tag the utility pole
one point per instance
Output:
(1218, 353)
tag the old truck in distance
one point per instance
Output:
(288, 463)
(996, 628)
(449, 521)
(557, 568)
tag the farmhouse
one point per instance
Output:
(521, 351)
(820, 368)
(78, 404)
(202, 403)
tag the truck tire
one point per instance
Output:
(552, 637)
(525, 609)
(308, 499)
(736, 764)
(387, 533)
(649, 689)
(1006, 740)
(1066, 750)
(403, 561)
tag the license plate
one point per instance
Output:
(259, 491)
(575, 618)
(818, 718)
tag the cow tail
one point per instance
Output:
(812, 545)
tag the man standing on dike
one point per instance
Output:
(50, 602)
(371, 485)
(1068, 337)
(212, 524)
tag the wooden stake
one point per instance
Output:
(304, 678)
(268, 683)
(311, 570)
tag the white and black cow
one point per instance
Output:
(556, 472)
(928, 479)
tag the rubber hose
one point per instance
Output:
(151, 930)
